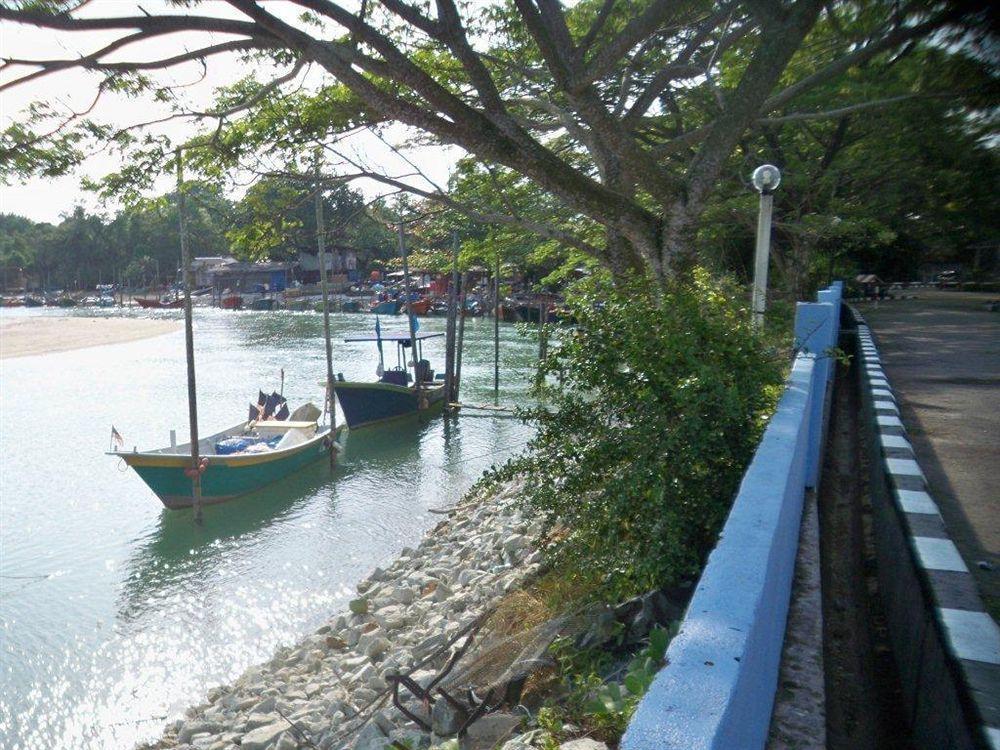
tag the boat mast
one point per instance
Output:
(196, 469)
(409, 311)
(321, 245)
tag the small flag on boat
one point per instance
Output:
(116, 437)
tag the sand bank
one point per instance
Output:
(22, 337)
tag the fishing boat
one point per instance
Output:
(263, 303)
(271, 444)
(389, 307)
(233, 462)
(231, 302)
(155, 303)
(420, 306)
(393, 395)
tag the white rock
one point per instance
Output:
(583, 743)
(404, 595)
(262, 737)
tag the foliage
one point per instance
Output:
(658, 401)
(601, 126)
(141, 244)
(276, 220)
(594, 701)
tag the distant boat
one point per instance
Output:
(420, 306)
(30, 301)
(238, 460)
(390, 307)
(159, 304)
(392, 396)
(66, 302)
(231, 302)
(263, 303)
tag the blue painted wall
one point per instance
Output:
(717, 690)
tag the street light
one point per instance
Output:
(766, 179)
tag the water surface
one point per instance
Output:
(115, 614)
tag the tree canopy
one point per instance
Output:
(623, 114)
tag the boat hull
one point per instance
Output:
(367, 404)
(226, 477)
(156, 304)
(387, 308)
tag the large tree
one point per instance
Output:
(625, 111)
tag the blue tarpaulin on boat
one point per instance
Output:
(239, 444)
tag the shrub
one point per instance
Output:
(655, 402)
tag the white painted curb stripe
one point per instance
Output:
(903, 466)
(893, 441)
(973, 635)
(886, 420)
(939, 554)
(993, 737)
(916, 501)
(887, 405)
(882, 393)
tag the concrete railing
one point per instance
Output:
(717, 690)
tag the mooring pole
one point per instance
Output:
(496, 328)
(330, 405)
(461, 333)
(543, 331)
(196, 468)
(449, 346)
(409, 312)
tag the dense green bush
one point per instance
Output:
(655, 403)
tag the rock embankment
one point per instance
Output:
(330, 691)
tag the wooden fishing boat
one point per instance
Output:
(159, 304)
(286, 446)
(390, 307)
(420, 306)
(393, 395)
(263, 303)
(231, 302)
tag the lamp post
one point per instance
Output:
(766, 179)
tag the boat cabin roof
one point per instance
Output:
(399, 337)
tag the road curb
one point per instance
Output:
(946, 645)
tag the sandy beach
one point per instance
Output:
(24, 337)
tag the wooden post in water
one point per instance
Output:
(496, 328)
(461, 334)
(189, 344)
(449, 346)
(409, 312)
(321, 249)
(543, 331)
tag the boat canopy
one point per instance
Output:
(400, 338)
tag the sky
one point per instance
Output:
(49, 199)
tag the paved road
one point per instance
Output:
(942, 354)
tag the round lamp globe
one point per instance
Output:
(766, 178)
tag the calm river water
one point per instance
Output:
(115, 614)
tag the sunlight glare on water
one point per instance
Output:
(116, 614)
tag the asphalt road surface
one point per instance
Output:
(941, 352)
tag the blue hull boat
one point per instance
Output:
(366, 404)
(393, 395)
(392, 307)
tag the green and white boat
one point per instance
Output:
(274, 449)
